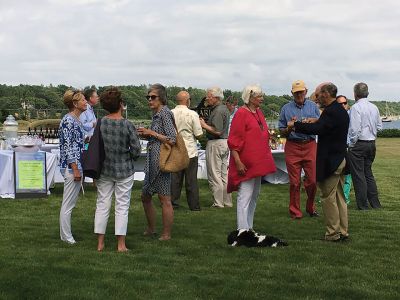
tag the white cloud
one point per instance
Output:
(202, 43)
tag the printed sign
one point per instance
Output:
(30, 174)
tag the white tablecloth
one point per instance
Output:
(279, 177)
(54, 175)
(7, 172)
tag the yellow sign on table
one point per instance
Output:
(31, 174)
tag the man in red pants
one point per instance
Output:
(300, 149)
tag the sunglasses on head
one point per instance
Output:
(254, 94)
(76, 92)
(151, 97)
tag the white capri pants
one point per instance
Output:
(122, 188)
(246, 202)
(70, 197)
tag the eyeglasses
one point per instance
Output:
(343, 103)
(151, 97)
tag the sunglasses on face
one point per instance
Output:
(343, 103)
(151, 97)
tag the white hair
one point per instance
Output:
(250, 90)
(216, 92)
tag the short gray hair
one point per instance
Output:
(361, 90)
(216, 92)
(330, 88)
(249, 91)
(160, 90)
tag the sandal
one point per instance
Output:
(164, 238)
(149, 233)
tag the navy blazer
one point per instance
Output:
(331, 128)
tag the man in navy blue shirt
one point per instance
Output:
(300, 149)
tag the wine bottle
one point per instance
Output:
(52, 136)
(41, 135)
(46, 136)
(57, 137)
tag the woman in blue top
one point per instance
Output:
(162, 130)
(71, 147)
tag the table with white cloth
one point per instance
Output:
(54, 175)
(7, 187)
(139, 168)
(139, 163)
(279, 177)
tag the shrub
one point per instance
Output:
(389, 133)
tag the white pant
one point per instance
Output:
(70, 196)
(106, 186)
(247, 201)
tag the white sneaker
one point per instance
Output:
(71, 241)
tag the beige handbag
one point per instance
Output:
(174, 158)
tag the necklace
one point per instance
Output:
(248, 107)
(258, 119)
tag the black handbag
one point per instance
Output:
(94, 156)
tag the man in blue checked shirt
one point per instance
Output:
(300, 149)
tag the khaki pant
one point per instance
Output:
(217, 171)
(334, 205)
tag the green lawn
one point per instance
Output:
(197, 263)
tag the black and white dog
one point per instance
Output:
(250, 238)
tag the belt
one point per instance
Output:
(301, 141)
(365, 141)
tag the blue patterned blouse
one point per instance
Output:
(71, 143)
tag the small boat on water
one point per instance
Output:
(388, 117)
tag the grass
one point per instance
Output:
(197, 263)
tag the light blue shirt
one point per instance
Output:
(231, 117)
(308, 110)
(87, 118)
(365, 122)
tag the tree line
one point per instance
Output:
(28, 102)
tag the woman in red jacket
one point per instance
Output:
(251, 156)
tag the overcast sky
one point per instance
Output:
(203, 43)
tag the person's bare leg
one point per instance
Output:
(100, 242)
(167, 217)
(150, 214)
(121, 243)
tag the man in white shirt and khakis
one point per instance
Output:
(188, 125)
